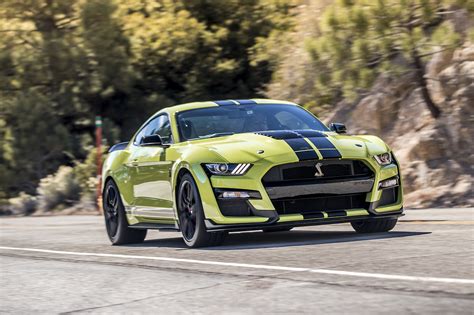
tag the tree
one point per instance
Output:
(64, 61)
(361, 39)
(202, 49)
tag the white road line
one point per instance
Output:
(252, 266)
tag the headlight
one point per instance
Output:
(228, 169)
(384, 158)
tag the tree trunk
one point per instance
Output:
(421, 80)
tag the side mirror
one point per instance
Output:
(152, 140)
(338, 127)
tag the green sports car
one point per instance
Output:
(209, 168)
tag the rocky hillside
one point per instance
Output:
(437, 156)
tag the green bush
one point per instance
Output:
(22, 204)
(85, 174)
(58, 190)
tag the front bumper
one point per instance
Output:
(262, 211)
(275, 222)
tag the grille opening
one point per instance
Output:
(343, 169)
(304, 172)
(389, 196)
(234, 207)
(317, 203)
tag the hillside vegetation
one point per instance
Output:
(62, 62)
(402, 70)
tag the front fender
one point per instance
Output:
(190, 160)
(114, 167)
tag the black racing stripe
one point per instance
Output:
(302, 149)
(341, 213)
(300, 146)
(330, 154)
(314, 215)
(224, 103)
(245, 102)
(307, 155)
(321, 143)
(325, 147)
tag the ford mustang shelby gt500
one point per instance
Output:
(209, 168)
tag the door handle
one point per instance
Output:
(134, 162)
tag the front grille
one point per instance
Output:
(234, 207)
(343, 169)
(331, 204)
(304, 174)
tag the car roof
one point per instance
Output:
(195, 105)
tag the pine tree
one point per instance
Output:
(361, 39)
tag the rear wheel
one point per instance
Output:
(374, 226)
(191, 216)
(115, 220)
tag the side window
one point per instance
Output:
(163, 129)
(159, 125)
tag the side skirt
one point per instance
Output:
(154, 226)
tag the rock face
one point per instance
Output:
(436, 155)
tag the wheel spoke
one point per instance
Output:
(190, 230)
(111, 210)
(189, 195)
(187, 208)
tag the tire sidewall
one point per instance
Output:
(200, 227)
(122, 220)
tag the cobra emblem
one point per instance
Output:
(319, 172)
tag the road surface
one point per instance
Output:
(65, 264)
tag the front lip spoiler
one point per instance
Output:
(272, 222)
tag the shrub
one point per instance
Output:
(59, 189)
(22, 204)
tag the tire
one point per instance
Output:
(277, 229)
(374, 226)
(115, 219)
(191, 216)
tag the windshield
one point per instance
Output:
(226, 120)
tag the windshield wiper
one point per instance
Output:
(217, 134)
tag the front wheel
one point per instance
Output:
(191, 216)
(115, 220)
(374, 226)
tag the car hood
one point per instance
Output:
(251, 147)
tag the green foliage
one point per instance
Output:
(362, 39)
(62, 62)
(85, 174)
(213, 49)
(60, 189)
(22, 204)
(34, 142)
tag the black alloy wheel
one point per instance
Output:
(115, 218)
(187, 205)
(111, 209)
(191, 216)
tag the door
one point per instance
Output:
(152, 172)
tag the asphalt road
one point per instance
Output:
(66, 265)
